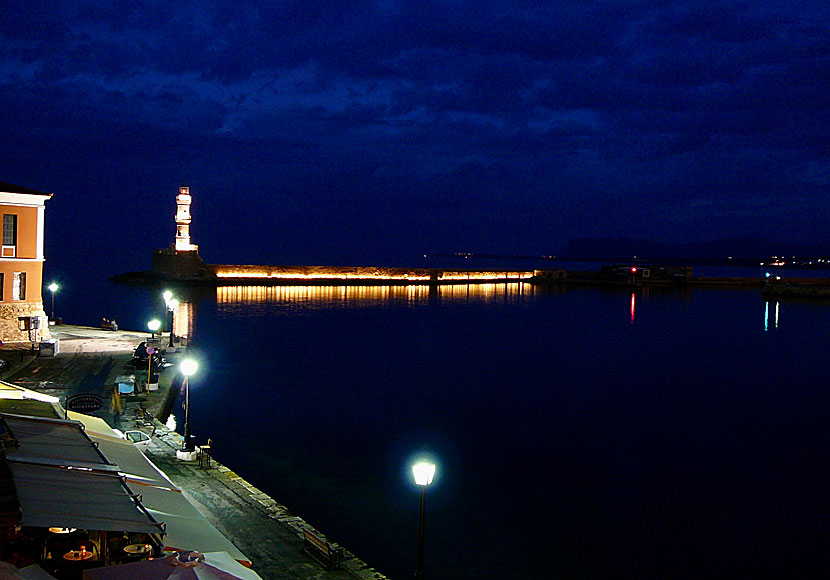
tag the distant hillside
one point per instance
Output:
(736, 248)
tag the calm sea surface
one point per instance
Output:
(586, 433)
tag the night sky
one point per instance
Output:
(319, 132)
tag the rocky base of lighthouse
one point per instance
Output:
(178, 265)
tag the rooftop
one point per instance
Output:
(10, 188)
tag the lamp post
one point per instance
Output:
(188, 367)
(172, 304)
(53, 288)
(153, 325)
(423, 473)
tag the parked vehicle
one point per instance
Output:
(140, 357)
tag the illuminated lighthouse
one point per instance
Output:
(183, 221)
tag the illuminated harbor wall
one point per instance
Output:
(236, 274)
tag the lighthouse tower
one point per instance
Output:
(183, 221)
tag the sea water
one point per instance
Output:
(578, 433)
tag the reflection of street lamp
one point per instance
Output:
(153, 325)
(423, 473)
(167, 295)
(53, 288)
(188, 367)
(172, 304)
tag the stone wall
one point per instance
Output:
(362, 273)
(181, 265)
(10, 314)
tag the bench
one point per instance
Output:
(319, 548)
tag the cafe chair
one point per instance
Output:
(115, 550)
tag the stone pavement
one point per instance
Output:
(266, 532)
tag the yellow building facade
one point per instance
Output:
(22, 211)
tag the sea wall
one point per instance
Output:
(241, 274)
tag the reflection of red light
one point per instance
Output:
(633, 269)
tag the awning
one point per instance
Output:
(77, 498)
(185, 526)
(62, 480)
(51, 440)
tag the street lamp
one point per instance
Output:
(172, 304)
(188, 367)
(53, 288)
(153, 325)
(423, 473)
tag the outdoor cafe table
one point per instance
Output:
(77, 555)
(138, 549)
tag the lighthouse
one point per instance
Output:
(181, 260)
(183, 200)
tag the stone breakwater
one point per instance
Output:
(235, 273)
(189, 268)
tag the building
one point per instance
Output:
(22, 318)
(181, 261)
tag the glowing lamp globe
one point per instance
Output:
(188, 367)
(423, 472)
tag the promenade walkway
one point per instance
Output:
(265, 531)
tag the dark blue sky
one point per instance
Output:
(326, 132)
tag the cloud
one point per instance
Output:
(561, 106)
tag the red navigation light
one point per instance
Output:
(633, 269)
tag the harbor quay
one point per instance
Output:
(89, 361)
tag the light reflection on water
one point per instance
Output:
(766, 315)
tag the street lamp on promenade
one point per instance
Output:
(423, 473)
(188, 367)
(53, 288)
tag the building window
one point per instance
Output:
(2, 284)
(19, 286)
(9, 229)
